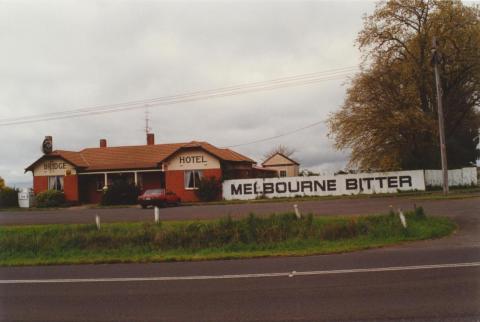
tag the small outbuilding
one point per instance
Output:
(285, 166)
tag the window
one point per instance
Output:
(100, 182)
(283, 173)
(192, 178)
(55, 183)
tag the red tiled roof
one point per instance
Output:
(73, 157)
(136, 157)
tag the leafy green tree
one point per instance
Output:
(2, 183)
(389, 117)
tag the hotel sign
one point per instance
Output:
(193, 160)
(189, 159)
(363, 183)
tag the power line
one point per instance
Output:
(298, 80)
(331, 72)
(173, 101)
(279, 81)
(277, 136)
(166, 102)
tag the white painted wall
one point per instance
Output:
(53, 167)
(456, 177)
(347, 184)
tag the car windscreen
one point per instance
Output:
(154, 191)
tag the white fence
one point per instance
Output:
(457, 177)
(345, 184)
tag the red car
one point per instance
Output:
(158, 198)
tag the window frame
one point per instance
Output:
(56, 180)
(198, 177)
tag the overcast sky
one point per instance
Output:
(62, 55)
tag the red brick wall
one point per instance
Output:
(70, 187)
(93, 195)
(152, 180)
(174, 181)
(88, 188)
(40, 184)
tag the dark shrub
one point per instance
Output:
(209, 189)
(419, 213)
(8, 197)
(341, 230)
(227, 232)
(120, 193)
(50, 198)
(384, 226)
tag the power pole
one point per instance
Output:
(441, 124)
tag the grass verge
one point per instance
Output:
(277, 235)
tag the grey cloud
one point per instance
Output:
(60, 55)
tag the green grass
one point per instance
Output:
(277, 235)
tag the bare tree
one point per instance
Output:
(282, 149)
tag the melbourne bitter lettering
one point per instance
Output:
(319, 185)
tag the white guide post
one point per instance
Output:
(97, 221)
(402, 218)
(157, 214)
(297, 212)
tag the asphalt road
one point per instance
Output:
(427, 294)
(320, 207)
(384, 284)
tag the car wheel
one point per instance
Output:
(144, 206)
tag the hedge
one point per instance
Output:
(50, 198)
(8, 197)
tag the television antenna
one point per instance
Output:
(147, 121)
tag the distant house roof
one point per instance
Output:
(135, 157)
(289, 161)
(263, 169)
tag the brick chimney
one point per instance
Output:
(150, 139)
(103, 143)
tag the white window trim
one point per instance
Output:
(62, 182)
(184, 173)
